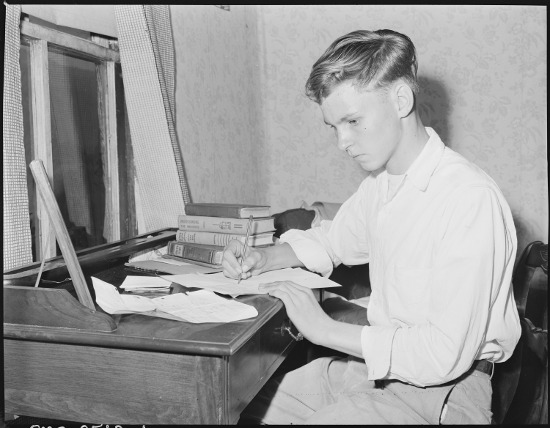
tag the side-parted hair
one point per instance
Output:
(364, 57)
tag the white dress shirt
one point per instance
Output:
(441, 251)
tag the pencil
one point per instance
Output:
(245, 246)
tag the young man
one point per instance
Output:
(440, 242)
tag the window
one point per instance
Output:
(75, 122)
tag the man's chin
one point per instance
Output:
(367, 164)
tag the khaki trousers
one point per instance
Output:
(335, 390)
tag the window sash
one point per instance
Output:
(101, 51)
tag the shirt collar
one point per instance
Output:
(423, 167)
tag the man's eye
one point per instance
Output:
(353, 122)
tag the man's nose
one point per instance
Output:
(343, 140)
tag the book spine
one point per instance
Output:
(213, 224)
(206, 255)
(207, 238)
(214, 211)
(194, 262)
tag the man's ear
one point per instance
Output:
(404, 99)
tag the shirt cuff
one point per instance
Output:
(376, 346)
(312, 255)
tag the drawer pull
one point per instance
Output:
(296, 337)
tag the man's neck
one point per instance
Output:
(414, 139)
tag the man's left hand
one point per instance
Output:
(301, 307)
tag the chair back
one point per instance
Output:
(513, 378)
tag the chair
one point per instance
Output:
(353, 279)
(520, 385)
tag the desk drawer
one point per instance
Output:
(253, 364)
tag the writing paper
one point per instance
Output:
(221, 284)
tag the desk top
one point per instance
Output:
(143, 332)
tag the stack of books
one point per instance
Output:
(206, 228)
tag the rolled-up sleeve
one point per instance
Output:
(379, 339)
(309, 250)
(341, 240)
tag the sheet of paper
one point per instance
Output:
(221, 284)
(204, 306)
(200, 306)
(144, 281)
(112, 302)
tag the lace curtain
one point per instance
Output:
(147, 59)
(17, 231)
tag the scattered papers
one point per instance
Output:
(204, 306)
(112, 302)
(221, 284)
(200, 306)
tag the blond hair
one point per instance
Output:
(364, 57)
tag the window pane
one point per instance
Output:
(78, 168)
(79, 174)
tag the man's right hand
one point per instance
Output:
(253, 262)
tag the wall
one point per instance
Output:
(218, 103)
(249, 133)
(483, 72)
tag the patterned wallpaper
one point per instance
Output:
(218, 102)
(484, 79)
(249, 133)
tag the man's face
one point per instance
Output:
(366, 124)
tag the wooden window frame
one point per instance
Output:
(104, 53)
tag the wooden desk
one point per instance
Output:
(147, 371)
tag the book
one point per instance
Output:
(222, 239)
(169, 266)
(236, 226)
(227, 210)
(213, 268)
(211, 254)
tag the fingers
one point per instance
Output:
(282, 289)
(279, 284)
(301, 306)
(249, 261)
(231, 262)
(286, 295)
